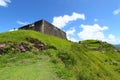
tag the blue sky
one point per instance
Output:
(80, 19)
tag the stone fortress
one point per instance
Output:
(45, 27)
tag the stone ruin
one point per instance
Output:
(45, 27)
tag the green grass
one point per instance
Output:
(21, 35)
(86, 60)
(36, 71)
(28, 68)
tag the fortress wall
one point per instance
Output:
(38, 26)
(52, 30)
(45, 27)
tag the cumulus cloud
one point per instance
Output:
(70, 34)
(22, 23)
(97, 32)
(92, 32)
(62, 21)
(4, 3)
(116, 12)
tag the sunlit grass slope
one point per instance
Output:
(86, 60)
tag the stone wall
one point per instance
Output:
(45, 27)
(52, 30)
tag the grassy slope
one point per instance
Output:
(20, 36)
(71, 61)
(26, 69)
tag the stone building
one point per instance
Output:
(45, 27)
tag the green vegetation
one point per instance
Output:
(60, 59)
(29, 67)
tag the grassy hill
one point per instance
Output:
(29, 55)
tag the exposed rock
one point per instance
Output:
(23, 47)
(36, 43)
(114, 51)
(117, 70)
(114, 63)
(1, 50)
(2, 47)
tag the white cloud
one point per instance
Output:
(97, 32)
(92, 32)
(62, 21)
(116, 12)
(112, 39)
(4, 3)
(71, 31)
(22, 23)
(73, 39)
(70, 34)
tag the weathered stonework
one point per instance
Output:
(45, 27)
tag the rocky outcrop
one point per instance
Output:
(36, 43)
(2, 47)
(31, 45)
(117, 70)
(22, 47)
